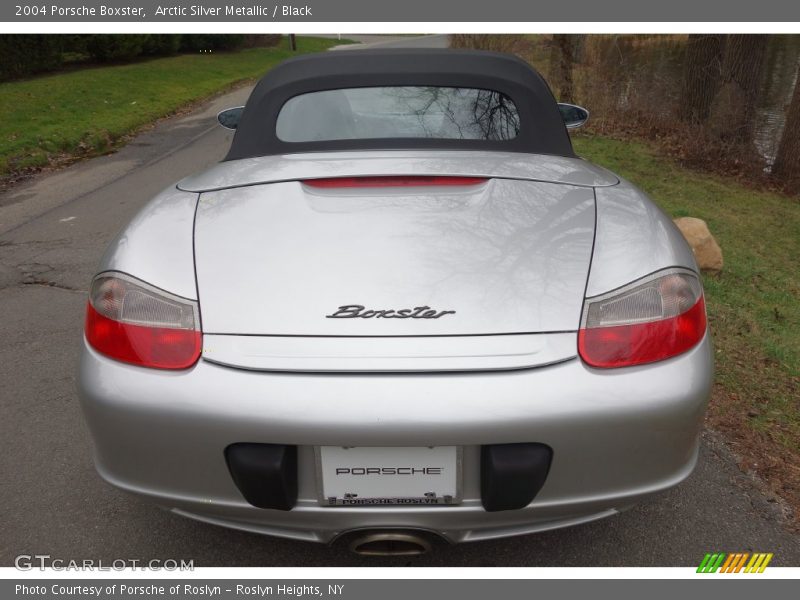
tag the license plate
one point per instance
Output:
(381, 476)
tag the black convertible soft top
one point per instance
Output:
(542, 129)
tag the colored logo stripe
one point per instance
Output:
(758, 563)
(735, 562)
(711, 562)
(727, 566)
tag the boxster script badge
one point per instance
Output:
(352, 311)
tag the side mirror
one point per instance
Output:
(229, 118)
(574, 116)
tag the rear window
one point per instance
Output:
(451, 113)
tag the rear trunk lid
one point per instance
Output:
(284, 258)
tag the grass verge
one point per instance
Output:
(753, 305)
(58, 118)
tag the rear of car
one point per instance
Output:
(474, 342)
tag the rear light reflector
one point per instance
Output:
(652, 319)
(393, 181)
(133, 322)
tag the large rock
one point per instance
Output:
(706, 250)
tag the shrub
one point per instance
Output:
(74, 43)
(162, 44)
(512, 44)
(25, 55)
(206, 41)
(115, 47)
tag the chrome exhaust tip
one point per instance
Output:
(390, 543)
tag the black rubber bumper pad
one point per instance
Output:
(266, 474)
(512, 474)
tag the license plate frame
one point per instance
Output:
(331, 494)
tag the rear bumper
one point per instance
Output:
(617, 437)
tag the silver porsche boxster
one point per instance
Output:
(400, 309)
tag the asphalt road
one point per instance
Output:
(53, 230)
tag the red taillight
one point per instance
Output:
(404, 181)
(650, 320)
(135, 323)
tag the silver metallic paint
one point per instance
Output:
(617, 436)
(156, 246)
(634, 238)
(508, 256)
(389, 354)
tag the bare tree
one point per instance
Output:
(742, 69)
(565, 46)
(787, 162)
(701, 77)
